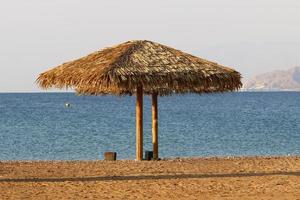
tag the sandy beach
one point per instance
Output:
(190, 178)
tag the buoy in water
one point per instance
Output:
(67, 104)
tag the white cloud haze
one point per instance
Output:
(251, 36)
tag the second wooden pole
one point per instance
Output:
(154, 126)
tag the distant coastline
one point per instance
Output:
(279, 80)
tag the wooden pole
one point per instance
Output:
(154, 126)
(139, 124)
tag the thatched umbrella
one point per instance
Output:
(141, 67)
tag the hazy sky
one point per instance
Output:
(251, 36)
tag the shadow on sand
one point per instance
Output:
(149, 177)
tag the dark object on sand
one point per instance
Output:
(111, 156)
(148, 155)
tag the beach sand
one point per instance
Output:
(191, 178)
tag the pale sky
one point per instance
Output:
(251, 36)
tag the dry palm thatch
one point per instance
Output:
(157, 68)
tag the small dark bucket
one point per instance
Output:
(112, 156)
(148, 155)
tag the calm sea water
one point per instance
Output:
(40, 127)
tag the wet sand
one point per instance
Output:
(190, 178)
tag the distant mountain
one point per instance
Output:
(278, 80)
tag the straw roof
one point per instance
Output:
(157, 68)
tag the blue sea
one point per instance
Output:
(38, 126)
